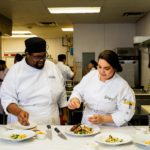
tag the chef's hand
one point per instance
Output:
(23, 118)
(98, 119)
(74, 103)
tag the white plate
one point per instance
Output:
(102, 137)
(17, 125)
(6, 135)
(141, 138)
(96, 130)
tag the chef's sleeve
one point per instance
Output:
(69, 72)
(62, 100)
(8, 92)
(78, 90)
(125, 107)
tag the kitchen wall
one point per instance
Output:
(16, 45)
(97, 37)
(143, 29)
(86, 38)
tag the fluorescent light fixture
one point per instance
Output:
(73, 10)
(140, 39)
(67, 29)
(21, 32)
(23, 36)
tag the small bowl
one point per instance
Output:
(41, 135)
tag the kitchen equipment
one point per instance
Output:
(130, 59)
(49, 132)
(60, 134)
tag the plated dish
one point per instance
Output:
(82, 130)
(142, 139)
(17, 135)
(17, 125)
(113, 138)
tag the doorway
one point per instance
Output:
(86, 58)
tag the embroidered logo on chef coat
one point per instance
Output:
(109, 98)
(130, 103)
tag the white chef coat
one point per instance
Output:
(113, 96)
(37, 91)
(65, 70)
(92, 69)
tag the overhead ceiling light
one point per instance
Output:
(21, 32)
(140, 39)
(72, 10)
(23, 36)
(67, 29)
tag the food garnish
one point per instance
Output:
(81, 129)
(147, 142)
(40, 132)
(18, 136)
(112, 139)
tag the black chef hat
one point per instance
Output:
(35, 45)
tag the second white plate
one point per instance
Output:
(102, 138)
(7, 135)
(141, 139)
(96, 130)
(17, 125)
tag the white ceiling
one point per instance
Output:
(27, 14)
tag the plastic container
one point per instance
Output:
(41, 135)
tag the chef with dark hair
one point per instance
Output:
(34, 87)
(108, 98)
(92, 65)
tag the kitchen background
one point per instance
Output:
(90, 38)
(112, 28)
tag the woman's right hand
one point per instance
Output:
(74, 103)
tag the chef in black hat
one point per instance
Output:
(33, 90)
(36, 52)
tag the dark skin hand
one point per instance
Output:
(23, 116)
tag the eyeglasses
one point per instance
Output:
(37, 58)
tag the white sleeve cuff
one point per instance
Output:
(5, 104)
(122, 117)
